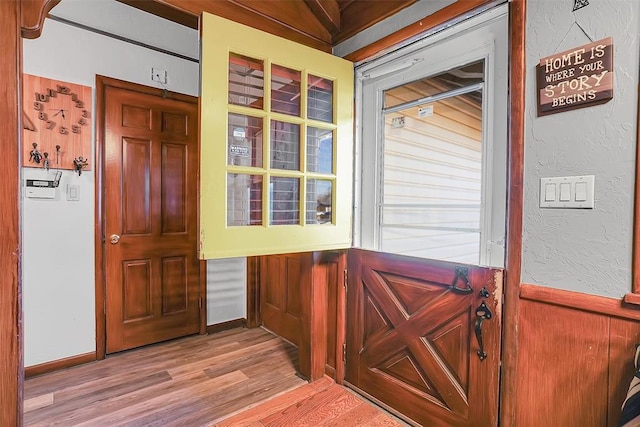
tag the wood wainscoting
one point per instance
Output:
(301, 297)
(575, 358)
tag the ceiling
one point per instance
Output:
(320, 24)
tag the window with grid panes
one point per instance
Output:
(276, 144)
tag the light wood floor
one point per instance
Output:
(195, 381)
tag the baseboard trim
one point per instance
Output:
(229, 324)
(56, 365)
(592, 303)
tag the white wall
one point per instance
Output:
(582, 250)
(58, 242)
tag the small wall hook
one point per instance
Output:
(79, 163)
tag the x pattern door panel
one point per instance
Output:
(411, 341)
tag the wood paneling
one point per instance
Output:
(276, 21)
(327, 12)
(562, 367)
(515, 195)
(320, 24)
(452, 12)
(576, 349)
(358, 15)
(302, 299)
(11, 375)
(165, 11)
(624, 336)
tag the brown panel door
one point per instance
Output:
(411, 340)
(280, 296)
(152, 271)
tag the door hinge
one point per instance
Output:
(344, 352)
(346, 281)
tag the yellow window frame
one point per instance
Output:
(220, 37)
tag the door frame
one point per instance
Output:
(102, 83)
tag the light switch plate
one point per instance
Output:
(570, 192)
(73, 193)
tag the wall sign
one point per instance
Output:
(576, 78)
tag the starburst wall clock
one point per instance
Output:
(57, 123)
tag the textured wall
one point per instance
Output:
(582, 250)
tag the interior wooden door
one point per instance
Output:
(283, 277)
(423, 337)
(150, 176)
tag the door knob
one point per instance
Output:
(114, 238)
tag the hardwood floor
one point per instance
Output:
(194, 381)
(321, 403)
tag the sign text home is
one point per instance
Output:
(576, 78)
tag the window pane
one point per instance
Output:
(319, 150)
(285, 201)
(285, 145)
(246, 81)
(244, 140)
(319, 201)
(285, 90)
(449, 80)
(320, 99)
(244, 199)
(432, 182)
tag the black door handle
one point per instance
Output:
(482, 313)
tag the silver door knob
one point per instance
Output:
(114, 238)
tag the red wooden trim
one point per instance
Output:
(359, 15)
(341, 322)
(11, 374)
(56, 365)
(455, 10)
(203, 289)
(280, 24)
(165, 11)
(613, 307)
(102, 83)
(517, 77)
(100, 285)
(632, 298)
(33, 14)
(253, 292)
(229, 324)
(636, 211)
(327, 12)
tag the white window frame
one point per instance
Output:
(483, 37)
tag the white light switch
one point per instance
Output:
(73, 193)
(573, 192)
(550, 192)
(565, 192)
(581, 192)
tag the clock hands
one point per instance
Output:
(60, 111)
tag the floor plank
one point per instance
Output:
(239, 377)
